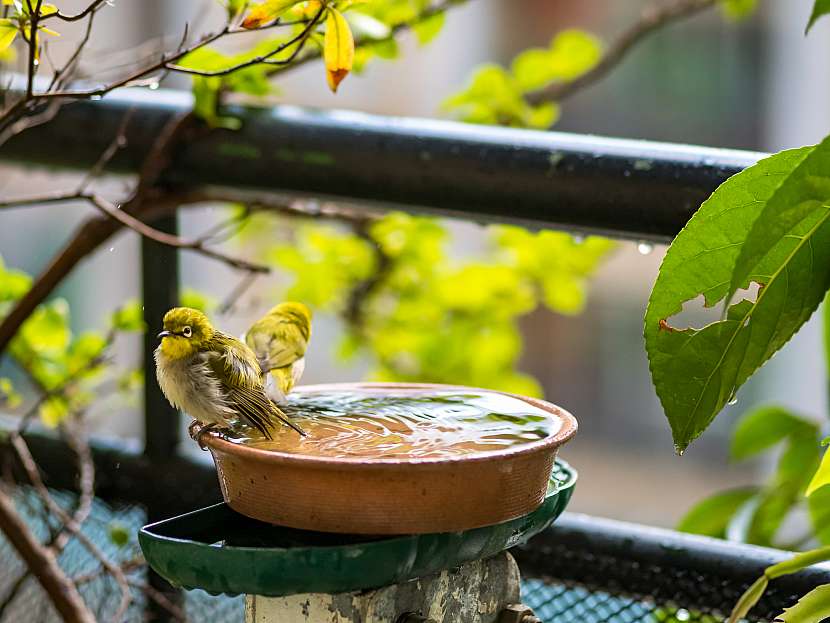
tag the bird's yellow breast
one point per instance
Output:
(175, 347)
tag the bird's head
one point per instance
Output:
(186, 332)
(298, 313)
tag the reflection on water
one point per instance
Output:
(431, 424)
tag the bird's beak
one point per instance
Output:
(164, 334)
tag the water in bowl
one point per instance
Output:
(407, 424)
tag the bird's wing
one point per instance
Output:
(277, 344)
(244, 392)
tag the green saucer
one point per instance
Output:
(221, 551)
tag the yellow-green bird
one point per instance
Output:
(279, 340)
(212, 376)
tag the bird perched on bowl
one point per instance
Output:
(212, 376)
(279, 340)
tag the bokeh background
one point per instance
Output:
(706, 81)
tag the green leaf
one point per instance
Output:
(53, 411)
(84, 350)
(826, 332)
(749, 599)
(712, 515)
(46, 331)
(818, 505)
(798, 562)
(533, 68)
(131, 380)
(822, 475)
(119, 534)
(812, 608)
(820, 8)
(573, 52)
(9, 397)
(426, 30)
(13, 283)
(763, 428)
(129, 317)
(738, 9)
(197, 300)
(697, 371)
(791, 222)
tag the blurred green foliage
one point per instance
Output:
(427, 317)
(66, 368)
(496, 95)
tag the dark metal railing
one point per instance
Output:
(618, 187)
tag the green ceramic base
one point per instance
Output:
(221, 551)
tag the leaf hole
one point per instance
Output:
(698, 313)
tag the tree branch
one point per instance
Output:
(651, 19)
(42, 563)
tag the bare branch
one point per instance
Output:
(651, 19)
(42, 563)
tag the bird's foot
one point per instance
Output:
(197, 431)
(194, 428)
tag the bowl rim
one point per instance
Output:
(566, 431)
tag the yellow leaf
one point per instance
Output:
(47, 9)
(266, 12)
(49, 31)
(338, 48)
(312, 8)
(8, 31)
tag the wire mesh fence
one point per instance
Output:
(113, 530)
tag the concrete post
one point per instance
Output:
(476, 592)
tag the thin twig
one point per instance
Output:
(69, 66)
(264, 59)
(118, 143)
(236, 294)
(651, 19)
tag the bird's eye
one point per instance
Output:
(187, 332)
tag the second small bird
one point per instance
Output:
(214, 377)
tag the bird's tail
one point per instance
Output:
(282, 417)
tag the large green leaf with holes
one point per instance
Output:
(697, 370)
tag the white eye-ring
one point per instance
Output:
(187, 332)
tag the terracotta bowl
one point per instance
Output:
(389, 495)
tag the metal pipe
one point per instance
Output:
(619, 187)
